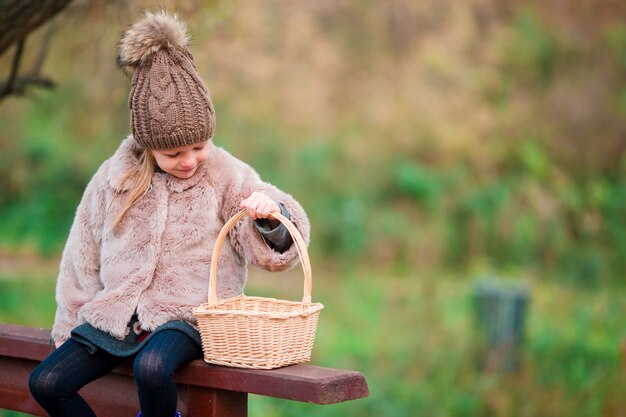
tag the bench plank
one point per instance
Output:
(219, 388)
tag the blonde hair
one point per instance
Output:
(142, 172)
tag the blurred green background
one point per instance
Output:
(431, 142)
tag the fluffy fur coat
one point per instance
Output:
(156, 262)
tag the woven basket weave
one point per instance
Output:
(258, 332)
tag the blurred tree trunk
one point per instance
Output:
(18, 18)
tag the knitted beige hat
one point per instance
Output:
(169, 104)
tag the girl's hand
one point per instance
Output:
(259, 205)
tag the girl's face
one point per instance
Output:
(182, 162)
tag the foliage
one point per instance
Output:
(446, 159)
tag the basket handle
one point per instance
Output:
(298, 241)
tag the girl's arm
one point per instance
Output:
(79, 275)
(240, 183)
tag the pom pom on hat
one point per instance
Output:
(169, 103)
(153, 33)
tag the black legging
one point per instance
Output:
(56, 381)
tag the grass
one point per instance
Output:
(413, 336)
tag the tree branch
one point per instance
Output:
(15, 67)
(17, 85)
(43, 51)
(20, 84)
(18, 18)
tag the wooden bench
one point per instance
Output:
(204, 390)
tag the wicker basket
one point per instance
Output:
(258, 332)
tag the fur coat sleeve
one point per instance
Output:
(241, 181)
(78, 279)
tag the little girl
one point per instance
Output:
(137, 258)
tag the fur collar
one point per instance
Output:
(125, 159)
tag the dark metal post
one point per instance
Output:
(500, 311)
